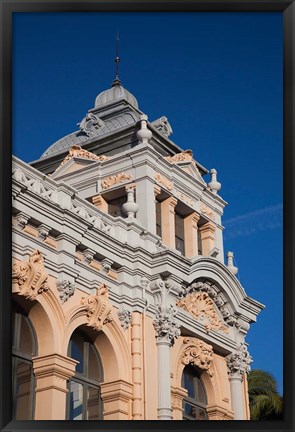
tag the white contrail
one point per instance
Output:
(267, 218)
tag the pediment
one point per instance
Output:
(77, 159)
(191, 169)
(72, 165)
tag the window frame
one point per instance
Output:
(17, 355)
(196, 374)
(83, 379)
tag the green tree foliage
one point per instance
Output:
(265, 401)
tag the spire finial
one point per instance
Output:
(117, 61)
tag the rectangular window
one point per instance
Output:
(158, 219)
(200, 251)
(179, 233)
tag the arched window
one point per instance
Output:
(24, 347)
(194, 405)
(84, 401)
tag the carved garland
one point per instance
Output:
(200, 305)
(198, 353)
(112, 180)
(164, 181)
(185, 156)
(29, 278)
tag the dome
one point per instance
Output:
(116, 92)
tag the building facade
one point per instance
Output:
(123, 305)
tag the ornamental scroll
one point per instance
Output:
(198, 353)
(98, 309)
(29, 278)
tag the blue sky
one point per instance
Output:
(217, 77)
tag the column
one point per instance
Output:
(100, 203)
(52, 373)
(178, 394)
(238, 365)
(207, 237)
(168, 221)
(136, 352)
(166, 331)
(191, 235)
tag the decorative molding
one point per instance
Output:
(77, 151)
(164, 181)
(207, 211)
(88, 255)
(201, 306)
(198, 353)
(43, 231)
(166, 325)
(163, 126)
(90, 124)
(106, 265)
(125, 317)
(30, 279)
(185, 198)
(185, 156)
(22, 220)
(66, 289)
(98, 308)
(238, 362)
(113, 180)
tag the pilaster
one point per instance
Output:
(100, 203)
(117, 400)
(207, 237)
(191, 235)
(52, 373)
(168, 221)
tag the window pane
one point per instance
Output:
(189, 384)
(94, 408)
(190, 410)
(26, 344)
(93, 366)
(76, 401)
(201, 392)
(23, 376)
(201, 414)
(77, 351)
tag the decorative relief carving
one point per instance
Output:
(112, 180)
(201, 306)
(163, 126)
(199, 354)
(77, 151)
(185, 198)
(90, 124)
(43, 231)
(98, 308)
(30, 279)
(66, 289)
(22, 220)
(88, 255)
(165, 324)
(185, 156)
(164, 181)
(238, 363)
(125, 318)
(218, 298)
(207, 211)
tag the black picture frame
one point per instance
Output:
(287, 8)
